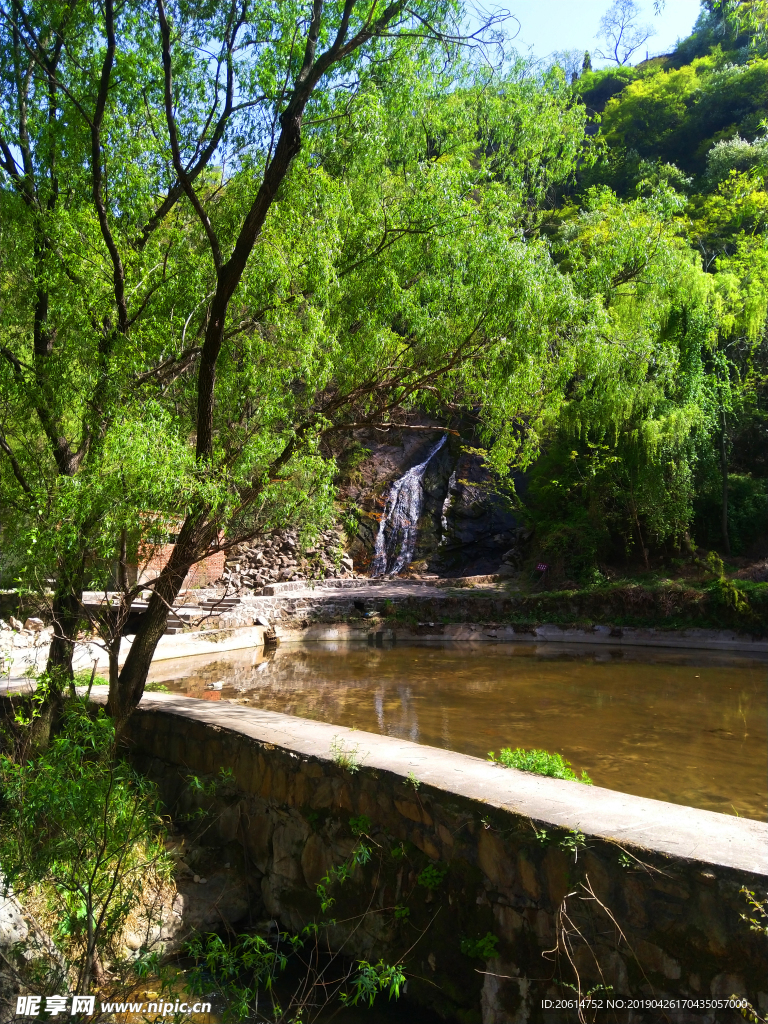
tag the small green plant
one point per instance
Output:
(359, 856)
(758, 923)
(412, 780)
(360, 825)
(402, 913)
(542, 836)
(432, 876)
(596, 990)
(345, 757)
(88, 677)
(32, 706)
(481, 949)
(238, 969)
(372, 979)
(625, 861)
(200, 786)
(573, 842)
(351, 515)
(156, 687)
(539, 762)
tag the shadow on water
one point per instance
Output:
(682, 726)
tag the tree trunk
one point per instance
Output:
(724, 475)
(67, 614)
(127, 689)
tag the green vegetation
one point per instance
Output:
(539, 762)
(81, 842)
(432, 876)
(483, 949)
(242, 972)
(667, 450)
(346, 757)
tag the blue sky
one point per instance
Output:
(553, 25)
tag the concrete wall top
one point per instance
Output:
(675, 830)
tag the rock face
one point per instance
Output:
(13, 931)
(466, 527)
(279, 557)
(195, 904)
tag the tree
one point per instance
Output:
(621, 34)
(210, 264)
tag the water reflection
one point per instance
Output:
(679, 726)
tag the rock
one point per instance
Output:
(34, 624)
(13, 927)
(15, 624)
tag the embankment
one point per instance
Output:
(498, 890)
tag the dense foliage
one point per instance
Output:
(668, 227)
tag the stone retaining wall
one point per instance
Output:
(428, 612)
(533, 884)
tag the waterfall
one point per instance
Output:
(447, 508)
(396, 539)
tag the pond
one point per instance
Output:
(687, 727)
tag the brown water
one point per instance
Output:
(691, 728)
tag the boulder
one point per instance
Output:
(15, 624)
(34, 624)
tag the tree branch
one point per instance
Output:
(17, 470)
(118, 272)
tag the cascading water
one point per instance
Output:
(396, 539)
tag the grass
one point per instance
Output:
(539, 762)
(345, 757)
(83, 678)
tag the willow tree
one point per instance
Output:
(227, 232)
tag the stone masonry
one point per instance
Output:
(499, 891)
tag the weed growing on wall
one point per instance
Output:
(482, 949)
(432, 876)
(540, 762)
(345, 757)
